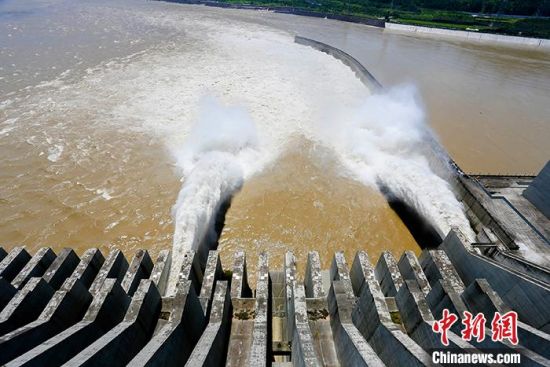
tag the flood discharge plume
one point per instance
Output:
(385, 142)
(220, 151)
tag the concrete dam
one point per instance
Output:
(65, 310)
(113, 309)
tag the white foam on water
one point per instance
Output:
(54, 152)
(104, 193)
(264, 89)
(9, 121)
(6, 130)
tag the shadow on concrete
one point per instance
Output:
(422, 230)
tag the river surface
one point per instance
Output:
(98, 100)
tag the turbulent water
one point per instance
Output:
(130, 123)
(383, 142)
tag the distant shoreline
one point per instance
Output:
(505, 39)
(380, 23)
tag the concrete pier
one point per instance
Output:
(538, 193)
(363, 315)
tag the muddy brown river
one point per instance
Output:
(100, 102)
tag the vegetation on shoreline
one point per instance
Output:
(528, 18)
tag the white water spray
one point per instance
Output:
(218, 154)
(387, 141)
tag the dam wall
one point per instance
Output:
(539, 43)
(500, 226)
(85, 310)
(360, 71)
(537, 192)
(505, 233)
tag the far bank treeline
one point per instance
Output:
(529, 18)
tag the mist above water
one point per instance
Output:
(220, 151)
(386, 142)
(383, 142)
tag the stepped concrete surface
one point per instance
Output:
(70, 310)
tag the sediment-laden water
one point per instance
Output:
(129, 123)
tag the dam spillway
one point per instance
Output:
(108, 306)
(62, 309)
(65, 309)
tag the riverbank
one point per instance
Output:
(287, 10)
(453, 24)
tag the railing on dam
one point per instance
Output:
(92, 310)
